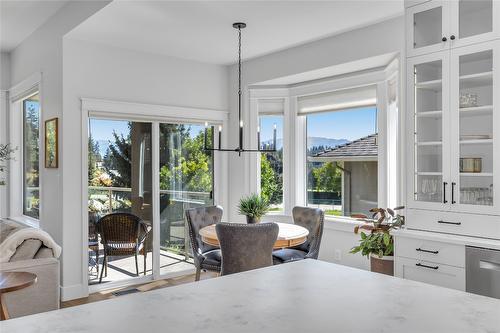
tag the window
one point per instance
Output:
(271, 164)
(30, 149)
(342, 155)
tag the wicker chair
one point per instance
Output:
(206, 257)
(94, 239)
(313, 220)
(122, 234)
(246, 246)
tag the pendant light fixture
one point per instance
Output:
(239, 149)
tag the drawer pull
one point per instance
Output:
(426, 266)
(447, 222)
(427, 251)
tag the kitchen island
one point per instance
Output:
(304, 296)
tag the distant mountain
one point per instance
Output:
(314, 141)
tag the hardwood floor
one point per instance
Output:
(108, 294)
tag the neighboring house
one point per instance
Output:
(358, 161)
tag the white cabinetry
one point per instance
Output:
(438, 25)
(453, 96)
(453, 138)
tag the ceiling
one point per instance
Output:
(19, 19)
(202, 30)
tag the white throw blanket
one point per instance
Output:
(13, 237)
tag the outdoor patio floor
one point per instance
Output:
(123, 268)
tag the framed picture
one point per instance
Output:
(51, 143)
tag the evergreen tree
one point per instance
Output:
(117, 160)
(93, 157)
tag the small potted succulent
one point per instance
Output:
(378, 244)
(253, 207)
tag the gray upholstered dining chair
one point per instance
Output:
(246, 246)
(205, 256)
(313, 220)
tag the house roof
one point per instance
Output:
(362, 149)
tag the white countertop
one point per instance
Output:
(305, 296)
(448, 238)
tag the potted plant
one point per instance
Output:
(378, 244)
(253, 207)
(6, 152)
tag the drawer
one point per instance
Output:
(438, 252)
(486, 226)
(430, 272)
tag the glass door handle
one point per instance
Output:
(453, 193)
(444, 192)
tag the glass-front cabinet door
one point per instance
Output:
(427, 27)
(475, 95)
(428, 93)
(474, 21)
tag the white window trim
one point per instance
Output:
(17, 94)
(294, 130)
(156, 114)
(254, 161)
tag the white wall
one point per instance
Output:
(4, 71)
(378, 39)
(4, 86)
(99, 71)
(42, 52)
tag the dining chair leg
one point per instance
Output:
(97, 261)
(145, 257)
(136, 265)
(104, 264)
(198, 272)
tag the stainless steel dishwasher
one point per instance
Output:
(482, 271)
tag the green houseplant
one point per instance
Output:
(253, 207)
(378, 244)
(6, 152)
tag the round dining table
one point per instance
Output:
(289, 235)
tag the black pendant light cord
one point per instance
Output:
(240, 148)
(239, 91)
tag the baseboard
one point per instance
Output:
(75, 291)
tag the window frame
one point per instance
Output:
(342, 163)
(295, 136)
(17, 94)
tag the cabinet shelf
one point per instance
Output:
(476, 174)
(484, 109)
(428, 173)
(432, 85)
(476, 80)
(429, 143)
(437, 114)
(476, 142)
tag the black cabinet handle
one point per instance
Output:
(444, 39)
(444, 192)
(425, 266)
(427, 251)
(452, 37)
(453, 193)
(447, 222)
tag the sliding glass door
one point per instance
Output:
(119, 181)
(186, 181)
(121, 163)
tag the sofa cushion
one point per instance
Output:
(27, 250)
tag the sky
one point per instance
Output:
(349, 124)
